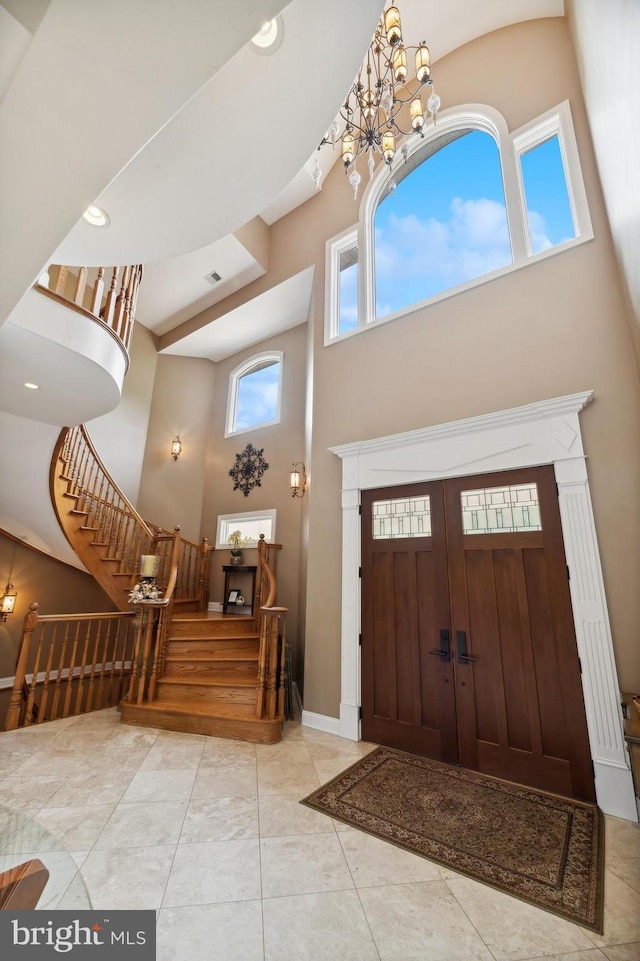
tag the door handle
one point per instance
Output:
(444, 651)
(461, 641)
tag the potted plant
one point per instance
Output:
(236, 541)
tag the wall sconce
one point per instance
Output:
(176, 447)
(8, 601)
(298, 480)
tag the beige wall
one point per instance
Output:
(283, 444)
(119, 436)
(171, 492)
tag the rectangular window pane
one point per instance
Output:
(250, 524)
(348, 290)
(497, 510)
(401, 517)
(547, 197)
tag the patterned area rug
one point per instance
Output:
(539, 847)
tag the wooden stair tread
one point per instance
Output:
(213, 658)
(206, 708)
(250, 635)
(184, 680)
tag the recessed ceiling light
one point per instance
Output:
(269, 36)
(32, 386)
(96, 216)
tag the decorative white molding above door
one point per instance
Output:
(547, 432)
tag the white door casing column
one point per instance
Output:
(546, 432)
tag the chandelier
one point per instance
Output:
(371, 112)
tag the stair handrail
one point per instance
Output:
(102, 653)
(60, 443)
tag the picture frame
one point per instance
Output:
(233, 596)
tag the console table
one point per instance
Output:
(229, 571)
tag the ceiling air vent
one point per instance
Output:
(213, 278)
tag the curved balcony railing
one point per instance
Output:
(107, 295)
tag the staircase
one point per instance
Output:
(209, 679)
(108, 534)
(191, 670)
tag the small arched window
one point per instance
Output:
(255, 389)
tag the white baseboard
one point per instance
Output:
(320, 722)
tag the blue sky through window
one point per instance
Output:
(444, 224)
(545, 187)
(258, 397)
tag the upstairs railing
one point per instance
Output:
(107, 295)
(117, 532)
(272, 679)
(70, 664)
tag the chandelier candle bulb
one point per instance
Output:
(400, 65)
(417, 116)
(348, 149)
(392, 26)
(388, 146)
(423, 64)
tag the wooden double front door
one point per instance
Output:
(468, 646)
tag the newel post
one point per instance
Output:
(15, 704)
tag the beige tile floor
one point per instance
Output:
(210, 834)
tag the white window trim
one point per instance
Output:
(510, 146)
(256, 362)
(230, 522)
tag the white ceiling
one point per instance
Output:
(212, 163)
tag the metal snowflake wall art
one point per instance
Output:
(248, 469)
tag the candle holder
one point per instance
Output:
(148, 568)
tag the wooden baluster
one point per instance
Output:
(15, 702)
(109, 308)
(29, 706)
(47, 675)
(58, 684)
(282, 633)
(262, 664)
(98, 290)
(157, 652)
(128, 656)
(58, 276)
(83, 662)
(118, 315)
(81, 286)
(138, 627)
(101, 627)
(74, 652)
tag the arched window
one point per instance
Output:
(255, 388)
(471, 202)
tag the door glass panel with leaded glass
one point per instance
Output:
(401, 517)
(500, 510)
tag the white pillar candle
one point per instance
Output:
(148, 565)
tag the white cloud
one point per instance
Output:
(538, 231)
(257, 400)
(417, 258)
